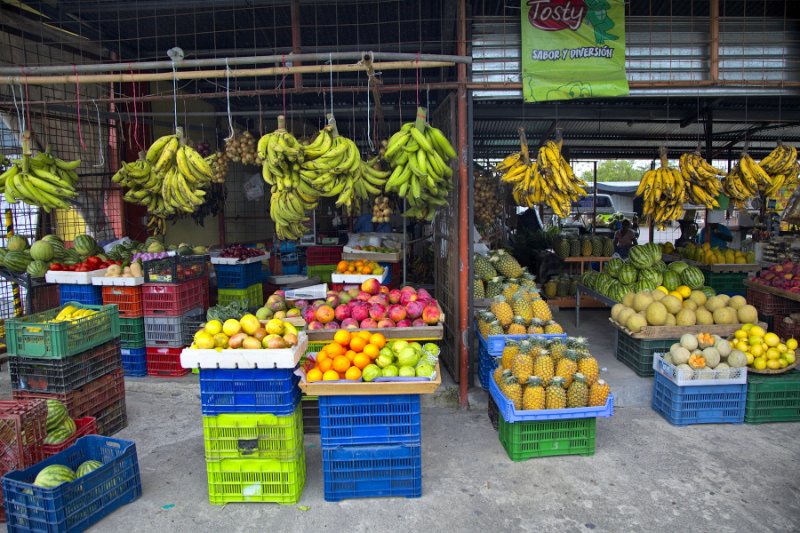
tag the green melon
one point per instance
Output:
(671, 280)
(16, 261)
(628, 274)
(16, 243)
(678, 266)
(57, 436)
(88, 466)
(56, 413)
(693, 277)
(53, 476)
(37, 269)
(84, 244)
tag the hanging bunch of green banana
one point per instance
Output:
(42, 180)
(745, 180)
(664, 191)
(701, 178)
(782, 168)
(420, 156)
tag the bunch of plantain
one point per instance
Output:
(548, 180)
(702, 180)
(746, 180)
(782, 168)
(664, 191)
(42, 180)
(419, 155)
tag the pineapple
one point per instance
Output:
(517, 326)
(552, 327)
(478, 291)
(509, 351)
(513, 390)
(536, 327)
(566, 367)
(495, 328)
(528, 281)
(522, 366)
(562, 248)
(574, 247)
(542, 311)
(533, 397)
(485, 318)
(535, 347)
(502, 310)
(498, 375)
(587, 365)
(483, 267)
(555, 396)
(608, 247)
(598, 394)
(557, 350)
(578, 392)
(544, 368)
(506, 264)
(510, 288)
(586, 247)
(522, 307)
(494, 287)
(597, 246)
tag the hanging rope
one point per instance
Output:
(28, 98)
(228, 98)
(283, 84)
(369, 124)
(78, 100)
(101, 159)
(174, 96)
(138, 142)
(417, 79)
(20, 120)
(330, 74)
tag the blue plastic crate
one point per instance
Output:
(85, 294)
(495, 343)
(134, 362)
(704, 404)
(511, 414)
(486, 365)
(238, 276)
(273, 391)
(367, 420)
(77, 505)
(290, 269)
(287, 246)
(372, 472)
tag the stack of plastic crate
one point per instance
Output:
(128, 300)
(242, 282)
(22, 433)
(371, 446)
(78, 362)
(322, 260)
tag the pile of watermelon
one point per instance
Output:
(55, 475)
(60, 426)
(19, 257)
(643, 271)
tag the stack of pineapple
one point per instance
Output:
(550, 374)
(517, 307)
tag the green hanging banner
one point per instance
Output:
(573, 49)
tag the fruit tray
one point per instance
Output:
(83, 426)
(715, 404)
(127, 299)
(239, 276)
(358, 278)
(22, 432)
(421, 333)
(272, 391)
(372, 388)
(164, 362)
(773, 398)
(112, 419)
(131, 332)
(83, 294)
(175, 269)
(675, 332)
(64, 375)
(253, 436)
(528, 440)
(372, 472)
(172, 299)
(76, 505)
(362, 420)
(35, 336)
(118, 281)
(73, 278)
(89, 399)
(216, 260)
(171, 331)
(252, 296)
(495, 343)
(134, 362)
(512, 415)
(241, 358)
(256, 480)
(682, 378)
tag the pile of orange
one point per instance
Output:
(346, 356)
(358, 267)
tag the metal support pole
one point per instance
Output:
(708, 125)
(463, 212)
(594, 201)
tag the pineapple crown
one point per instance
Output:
(496, 279)
(525, 346)
(512, 343)
(499, 298)
(509, 378)
(544, 352)
(578, 342)
(578, 377)
(571, 354)
(535, 381)
(518, 320)
(538, 322)
(554, 342)
(600, 382)
(557, 381)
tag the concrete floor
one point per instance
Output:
(646, 475)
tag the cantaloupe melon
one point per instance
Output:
(747, 314)
(656, 314)
(689, 342)
(686, 317)
(704, 316)
(672, 304)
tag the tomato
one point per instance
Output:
(93, 260)
(56, 266)
(82, 268)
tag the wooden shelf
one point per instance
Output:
(590, 259)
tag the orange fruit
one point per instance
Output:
(335, 349)
(350, 354)
(341, 363)
(366, 270)
(365, 335)
(357, 344)
(361, 360)
(341, 267)
(330, 375)
(342, 336)
(325, 365)
(353, 373)
(321, 356)
(371, 350)
(378, 340)
(315, 374)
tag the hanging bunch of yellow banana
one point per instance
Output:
(664, 192)
(782, 168)
(42, 180)
(702, 180)
(745, 180)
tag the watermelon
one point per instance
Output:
(619, 292)
(56, 413)
(57, 436)
(16, 243)
(53, 476)
(654, 250)
(659, 266)
(678, 266)
(613, 267)
(69, 425)
(84, 245)
(88, 466)
(640, 257)
(708, 291)
(53, 239)
(16, 261)
(693, 277)
(42, 251)
(652, 276)
(71, 256)
(671, 280)
(37, 269)
(628, 274)
(644, 285)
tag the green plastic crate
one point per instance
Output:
(528, 440)
(256, 480)
(637, 354)
(253, 436)
(131, 332)
(323, 272)
(773, 398)
(36, 336)
(253, 295)
(730, 283)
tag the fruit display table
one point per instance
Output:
(581, 262)
(594, 299)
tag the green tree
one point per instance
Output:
(617, 170)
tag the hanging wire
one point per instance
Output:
(369, 124)
(330, 60)
(78, 104)
(102, 161)
(228, 98)
(174, 95)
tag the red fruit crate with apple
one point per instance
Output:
(176, 269)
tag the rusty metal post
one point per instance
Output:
(713, 45)
(463, 212)
(295, 15)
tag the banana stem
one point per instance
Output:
(422, 119)
(281, 123)
(332, 125)
(662, 154)
(523, 141)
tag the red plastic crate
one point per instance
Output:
(89, 399)
(165, 362)
(22, 432)
(769, 304)
(127, 299)
(172, 299)
(323, 255)
(84, 426)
